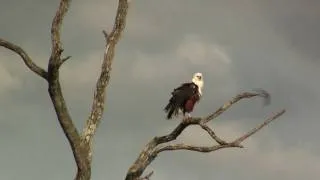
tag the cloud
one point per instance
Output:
(7, 80)
(84, 71)
(236, 46)
(138, 25)
(155, 67)
(198, 51)
(192, 51)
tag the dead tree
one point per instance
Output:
(80, 142)
(160, 143)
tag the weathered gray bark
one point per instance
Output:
(81, 143)
(157, 144)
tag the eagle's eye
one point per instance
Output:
(199, 77)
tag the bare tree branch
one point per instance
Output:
(56, 95)
(105, 35)
(63, 60)
(203, 149)
(151, 150)
(235, 143)
(25, 57)
(256, 129)
(103, 81)
(54, 89)
(201, 121)
(234, 100)
(147, 177)
(80, 145)
(56, 44)
(212, 134)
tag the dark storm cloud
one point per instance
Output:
(298, 22)
(239, 45)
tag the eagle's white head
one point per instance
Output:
(198, 80)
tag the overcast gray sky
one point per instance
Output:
(238, 45)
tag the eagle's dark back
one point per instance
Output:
(184, 97)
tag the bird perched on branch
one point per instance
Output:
(185, 97)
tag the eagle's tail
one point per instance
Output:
(171, 109)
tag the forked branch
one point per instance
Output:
(152, 149)
(80, 145)
(54, 89)
(56, 94)
(212, 134)
(235, 143)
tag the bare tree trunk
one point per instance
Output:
(84, 174)
(80, 143)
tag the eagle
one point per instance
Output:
(184, 97)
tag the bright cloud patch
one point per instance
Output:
(197, 51)
(79, 75)
(8, 80)
(193, 54)
(190, 52)
(152, 67)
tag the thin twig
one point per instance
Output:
(234, 100)
(212, 134)
(63, 60)
(265, 95)
(147, 177)
(105, 35)
(256, 129)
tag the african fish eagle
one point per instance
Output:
(185, 97)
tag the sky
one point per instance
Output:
(238, 45)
